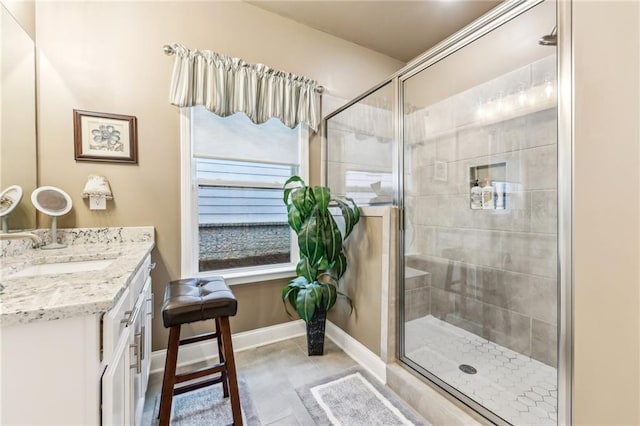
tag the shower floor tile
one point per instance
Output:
(519, 389)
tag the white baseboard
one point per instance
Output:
(208, 350)
(359, 352)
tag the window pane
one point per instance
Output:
(241, 171)
(237, 138)
(240, 227)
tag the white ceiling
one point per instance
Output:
(397, 28)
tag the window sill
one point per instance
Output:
(254, 275)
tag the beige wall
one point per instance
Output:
(363, 282)
(606, 245)
(25, 13)
(107, 57)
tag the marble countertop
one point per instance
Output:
(56, 296)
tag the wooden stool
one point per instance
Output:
(199, 299)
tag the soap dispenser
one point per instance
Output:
(476, 196)
(487, 196)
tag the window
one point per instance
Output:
(234, 221)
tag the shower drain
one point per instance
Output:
(465, 368)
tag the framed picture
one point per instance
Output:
(105, 137)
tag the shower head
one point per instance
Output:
(549, 39)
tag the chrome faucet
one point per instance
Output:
(37, 241)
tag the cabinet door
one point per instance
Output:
(116, 387)
(135, 369)
(146, 333)
(114, 322)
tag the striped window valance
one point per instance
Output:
(225, 85)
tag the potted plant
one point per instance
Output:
(322, 259)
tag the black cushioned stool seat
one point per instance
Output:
(199, 299)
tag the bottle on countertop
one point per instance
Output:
(487, 196)
(476, 196)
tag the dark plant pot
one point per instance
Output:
(315, 332)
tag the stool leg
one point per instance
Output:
(227, 346)
(225, 376)
(169, 379)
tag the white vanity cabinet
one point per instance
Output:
(140, 343)
(127, 361)
(89, 369)
(116, 388)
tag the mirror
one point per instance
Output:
(17, 115)
(9, 199)
(53, 202)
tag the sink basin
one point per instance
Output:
(62, 268)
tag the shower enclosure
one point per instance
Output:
(474, 167)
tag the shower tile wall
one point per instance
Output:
(417, 286)
(490, 272)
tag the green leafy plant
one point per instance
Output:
(322, 259)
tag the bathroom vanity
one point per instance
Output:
(75, 328)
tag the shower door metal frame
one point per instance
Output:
(565, 106)
(566, 114)
(564, 58)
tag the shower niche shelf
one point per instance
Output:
(490, 192)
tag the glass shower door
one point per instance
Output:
(480, 241)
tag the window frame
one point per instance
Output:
(189, 215)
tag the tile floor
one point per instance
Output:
(272, 373)
(519, 389)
